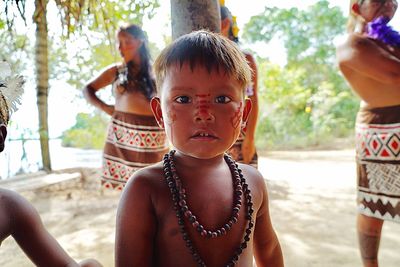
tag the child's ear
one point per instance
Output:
(246, 110)
(157, 112)
(225, 24)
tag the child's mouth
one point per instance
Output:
(204, 135)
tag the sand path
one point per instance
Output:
(312, 203)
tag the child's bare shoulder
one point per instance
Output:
(13, 199)
(256, 183)
(251, 174)
(17, 207)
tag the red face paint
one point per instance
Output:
(202, 104)
(235, 120)
(172, 117)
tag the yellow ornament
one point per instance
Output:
(235, 28)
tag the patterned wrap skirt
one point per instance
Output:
(378, 162)
(236, 151)
(133, 142)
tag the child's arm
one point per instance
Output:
(31, 235)
(267, 249)
(136, 223)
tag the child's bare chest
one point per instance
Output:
(213, 209)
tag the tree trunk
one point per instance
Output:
(42, 78)
(191, 15)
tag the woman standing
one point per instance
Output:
(244, 150)
(134, 140)
(370, 62)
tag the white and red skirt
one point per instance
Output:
(133, 142)
(378, 162)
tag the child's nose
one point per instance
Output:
(204, 115)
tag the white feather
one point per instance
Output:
(11, 87)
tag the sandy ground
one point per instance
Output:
(312, 203)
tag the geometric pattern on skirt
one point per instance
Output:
(378, 163)
(236, 151)
(378, 142)
(381, 198)
(133, 142)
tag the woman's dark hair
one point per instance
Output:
(226, 13)
(145, 76)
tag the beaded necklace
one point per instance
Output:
(182, 209)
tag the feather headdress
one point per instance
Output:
(11, 89)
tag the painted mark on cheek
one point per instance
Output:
(172, 117)
(235, 120)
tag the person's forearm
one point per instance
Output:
(252, 121)
(90, 95)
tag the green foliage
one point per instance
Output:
(307, 34)
(292, 116)
(88, 132)
(14, 48)
(91, 42)
(103, 16)
(306, 102)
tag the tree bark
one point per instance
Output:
(42, 78)
(191, 15)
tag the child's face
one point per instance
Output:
(201, 112)
(128, 46)
(3, 134)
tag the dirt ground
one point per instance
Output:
(312, 204)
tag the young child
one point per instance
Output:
(198, 207)
(18, 217)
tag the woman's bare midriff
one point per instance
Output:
(373, 93)
(132, 102)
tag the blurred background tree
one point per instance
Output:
(306, 101)
(76, 16)
(88, 132)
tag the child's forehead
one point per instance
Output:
(187, 67)
(199, 78)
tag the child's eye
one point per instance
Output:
(183, 99)
(222, 99)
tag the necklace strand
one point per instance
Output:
(182, 210)
(191, 216)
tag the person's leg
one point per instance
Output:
(369, 234)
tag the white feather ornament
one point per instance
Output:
(11, 90)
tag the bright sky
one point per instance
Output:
(63, 103)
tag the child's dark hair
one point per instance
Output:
(226, 13)
(145, 75)
(207, 49)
